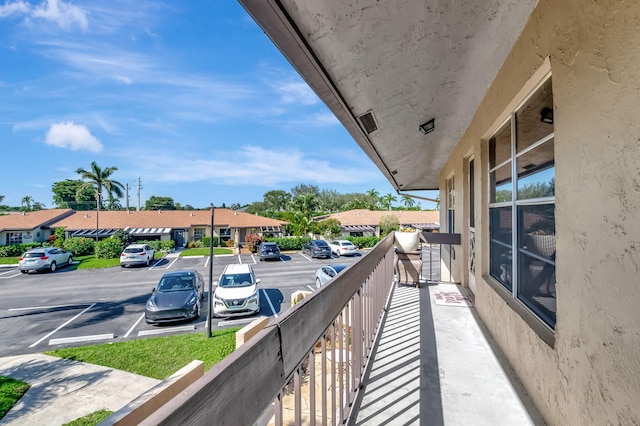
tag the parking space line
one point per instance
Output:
(235, 322)
(16, 274)
(32, 308)
(254, 259)
(80, 339)
(311, 288)
(305, 256)
(134, 326)
(165, 330)
(62, 326)
(239, 259)
(270, 304)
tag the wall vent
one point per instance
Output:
(368, 122)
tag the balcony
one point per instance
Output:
(363, 351)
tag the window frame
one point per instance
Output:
(512, 295)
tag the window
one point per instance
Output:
(198, 233)
(14, 238)
(451, 206)
(522, 206)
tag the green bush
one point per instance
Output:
(364, 242)
(15, 250)
(109, 248)
(290, 243)
(164, 246)
(79, 246)
(206, 241)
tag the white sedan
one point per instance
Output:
(343, 248)
(326, 273)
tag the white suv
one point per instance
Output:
(236, 292)
(137, 254)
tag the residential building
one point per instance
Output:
(29, 227)
(364, 222)
(524, 114)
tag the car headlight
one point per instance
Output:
(151, 306)
(192, 301)
(253, 298)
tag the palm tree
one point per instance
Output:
(98, 179)
(26, 201)
(387, 199)
(408, 201)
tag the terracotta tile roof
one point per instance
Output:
(363, 217)
(31, 220)
(164, 219)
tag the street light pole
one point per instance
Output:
(97, 212)
(210, 310)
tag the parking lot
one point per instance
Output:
(68, 307)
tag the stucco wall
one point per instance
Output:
(592, 374)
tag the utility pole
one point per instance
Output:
(127, 196)
(210, 310)
(139, 188)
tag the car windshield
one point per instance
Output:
(322, 244)
(133, 250)
(170, 284)
(266, 246)
(339, 268)
(236, 280)
(34, 254)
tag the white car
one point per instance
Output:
(137, 254)
(326, 273)
(44, 259)
(343, 248)
(236, 292)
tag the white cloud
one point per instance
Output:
(65, 15)
(296, 92)
(72, 136)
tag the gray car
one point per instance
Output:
(269, 250)
(44, 259)
(177, 297)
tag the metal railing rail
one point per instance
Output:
(304, 367)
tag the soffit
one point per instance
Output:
(406, 61)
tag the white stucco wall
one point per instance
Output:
(592, 374)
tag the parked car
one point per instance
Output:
(44, 259)
(269, 250)
(236, 292)
(326, 273)
(317, 248)
(176, 297)
(137, 254)
(343, 248)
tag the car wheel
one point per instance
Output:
(318, 283)
(53, 266)
(338, 253)
(24, 272)
(197, 313)
(148, 261)
(70, 260)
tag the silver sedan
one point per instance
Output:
(326, 273)
(44, 259)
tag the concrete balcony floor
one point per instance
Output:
(437, 365)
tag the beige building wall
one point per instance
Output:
(590, 375)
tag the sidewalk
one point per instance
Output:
(436, 365)
(63, 390)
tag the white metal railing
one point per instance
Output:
(304, 367)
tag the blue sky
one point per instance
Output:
(189, 96)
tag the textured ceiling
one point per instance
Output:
(405, 61)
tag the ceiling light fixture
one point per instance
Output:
(428, 127)
(546, 115)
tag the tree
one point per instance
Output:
(276, 200)
(329, 228)
(38, 205)
(1, 198)
(388, 223)
(408, 201)
(26, 201)
(305, 203)
(156, 202)
(304, 189)
(113, 203)
(68, 195)
(387, 199)
(98, 179)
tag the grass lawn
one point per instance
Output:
(90, 419)
(9, 260)
(11, 391)
(205, 251)
(157, 357)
